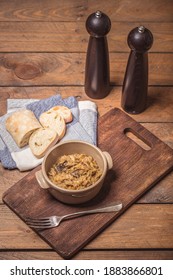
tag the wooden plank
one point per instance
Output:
(141, 227)
(90, 255)
(31, 69)
(78, 10)
(9, 178)
(161, 193)
(160, 100)
(73, 37)
(164, 131)
(145, 226)
(124, 10)
(24, 237)
(43, 10)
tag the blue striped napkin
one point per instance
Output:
(83, 127)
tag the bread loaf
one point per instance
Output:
(21, 125)
(53, 120)
(64, 112)
(41, 140)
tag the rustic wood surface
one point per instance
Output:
(147, 168)
(72, 36)
(42, 52)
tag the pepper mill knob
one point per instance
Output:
(97, 80)
(98, 24)
(140, 39)
(135, 84)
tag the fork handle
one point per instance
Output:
(113, 208)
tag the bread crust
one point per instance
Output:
(55, 121)
(64, 112)
(41, 140)
(21, 124)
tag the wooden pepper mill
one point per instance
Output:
(97, 73)
(135, 85)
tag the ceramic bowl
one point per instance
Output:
(103, 160)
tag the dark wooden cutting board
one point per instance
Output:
(135, 171)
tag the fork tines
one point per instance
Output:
(38, 223)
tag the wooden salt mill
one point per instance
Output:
(135, 85)
(97, 76)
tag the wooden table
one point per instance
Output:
(42, 52)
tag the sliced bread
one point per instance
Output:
(21, 124)
(53, 120)
(41, 140)
(64, 112)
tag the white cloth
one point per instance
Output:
(83, 127)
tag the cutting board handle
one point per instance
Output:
(138, 138)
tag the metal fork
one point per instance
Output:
(54, 221)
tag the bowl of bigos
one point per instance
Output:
(74, 171)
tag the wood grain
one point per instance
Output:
(161, 193)
(160, 100)
(141, 227)
(78, 10)
(135, 10)
(42, 10)
(30, 69)
(42, 52)
(128, 158)
(90, 255)
(73, 37)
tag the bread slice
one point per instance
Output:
(64, 112)
(53, 120)
(21, 124)
(41, 140)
